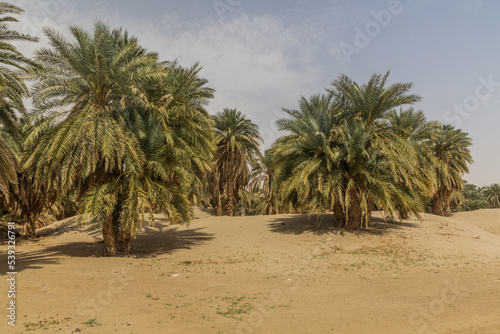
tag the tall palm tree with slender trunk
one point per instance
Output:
(237, 140)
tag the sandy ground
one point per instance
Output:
(265, 274)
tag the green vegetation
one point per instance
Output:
(237, 140)
(492, 195)
(12, 91)
(116, 134)
(236, 309)
(474, 198)
(92, 323)
(340, 155)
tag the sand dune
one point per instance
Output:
(266, 274)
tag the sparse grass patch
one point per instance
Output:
(236, 308)
(91, 323)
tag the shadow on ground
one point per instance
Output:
(324, 224)
(149, 243)
(73, 225)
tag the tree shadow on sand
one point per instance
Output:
(31, 260)
(152, 241)
(326, 224)
(73, 224)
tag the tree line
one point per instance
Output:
(116, 135)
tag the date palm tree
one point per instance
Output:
(304, 157)
(413, 126)
(110, 131)
(492, 194)
(339, 155)
(237, 139)
(263, 182)
(470, 198)
(188, 145)
(451, 153)
(12, 91)
(8, 166)
(30, 204)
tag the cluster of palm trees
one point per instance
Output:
(351, 151)
(116, 135)
(473, 197)
(114, 132)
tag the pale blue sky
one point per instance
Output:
(261, 55)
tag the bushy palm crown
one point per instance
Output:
(411, 125)
(370, 102)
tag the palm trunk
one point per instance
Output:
(230, 205)
(338, 213)
(219, 206)
(403, 214)
(29, 227)
(438, 203)
(111, 230)
(354, 214)
(123, 235)
(446, 204)
(109, 235)
(353, 217)
(125, 243)
(230, 198)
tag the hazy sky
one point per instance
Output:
(262, 55)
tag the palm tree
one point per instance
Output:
(304, 157)
(412, 126)
(492, 194)
(30, 204)
(8, 166)
(340, 156)
(451, 154)
(237, 140)
(107, 130)
(443, 155)
(189, 141)
(263, 182)
(12, 91)
(470, 198)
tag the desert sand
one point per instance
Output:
(264, 274)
